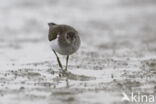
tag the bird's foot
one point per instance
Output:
(62, 73)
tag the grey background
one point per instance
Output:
(117, 53)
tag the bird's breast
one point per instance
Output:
(64, 50)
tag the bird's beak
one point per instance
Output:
(51, 24)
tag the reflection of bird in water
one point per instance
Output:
(63, 39)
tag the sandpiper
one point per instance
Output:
(63, 39)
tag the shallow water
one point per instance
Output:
(117, 53)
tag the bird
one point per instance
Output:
(63, 39)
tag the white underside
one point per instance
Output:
(54, 45)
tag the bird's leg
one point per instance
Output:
(58, 60)
(67, 62)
